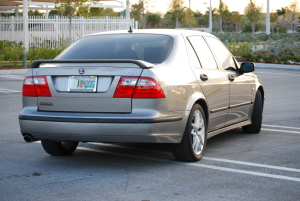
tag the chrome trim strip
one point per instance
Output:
(231, 106)
(240, 105)
(97, 120)
(219, 109)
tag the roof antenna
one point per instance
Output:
(130, 30)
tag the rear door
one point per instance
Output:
(86, 87)
(213, 81)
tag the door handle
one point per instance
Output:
(231, 78)
(203, 77)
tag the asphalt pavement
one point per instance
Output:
(236, 166)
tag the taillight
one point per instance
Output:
(28, 87)
(148, 88)
(135, 87)
(126, 87)
(36, 86)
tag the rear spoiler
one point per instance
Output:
(142, 64)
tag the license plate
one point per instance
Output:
(82, 83)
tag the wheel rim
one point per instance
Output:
(198, 132)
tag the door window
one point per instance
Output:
(203, 52)
(224, 57)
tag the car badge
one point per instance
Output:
(81, 71)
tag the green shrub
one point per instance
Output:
(271, 58)
(285, 59)
(248, 56)
(12, 51)
(296, 59)
(237, 49)
(43, 53)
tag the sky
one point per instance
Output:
(233, 5)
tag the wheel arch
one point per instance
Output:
(262, 92)
(199, 98)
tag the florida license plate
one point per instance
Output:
(82, 83)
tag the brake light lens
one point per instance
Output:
(148, 88)
(135, 87)
(125, 87)
(36, 86)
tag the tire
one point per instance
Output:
(193, 142)
(256, 118)
(59, 148)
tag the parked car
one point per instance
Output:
(151, 86)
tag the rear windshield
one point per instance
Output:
(147, 47)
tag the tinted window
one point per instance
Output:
(222, 53)
(203, 52)
(148, 47)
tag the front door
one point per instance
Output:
(240, 85)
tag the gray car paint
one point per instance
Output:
(180, 84)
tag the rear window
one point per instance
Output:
(147, 47)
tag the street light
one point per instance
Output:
(127, 9)
(268, 18)
(210, 18)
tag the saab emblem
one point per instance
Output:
(81, 71)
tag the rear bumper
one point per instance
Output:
(87, 129)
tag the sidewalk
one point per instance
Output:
(257, 65)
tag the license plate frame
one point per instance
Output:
(87, 84)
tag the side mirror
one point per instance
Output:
(247, 67)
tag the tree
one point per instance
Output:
(139, 10)
(236, 19)
(177, 8)
(70, 8)
(34, 13)
(222, 11)
(252, 12)
(273, 17)
(153, 20)
(292, 15)
(96, 11)
(190, 17)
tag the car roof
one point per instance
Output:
(171, 32)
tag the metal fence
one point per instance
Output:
(55, 31)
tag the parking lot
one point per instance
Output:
(235, 166)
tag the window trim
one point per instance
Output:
(214, 56)
(220, 66)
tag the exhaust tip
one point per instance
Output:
(28, 138)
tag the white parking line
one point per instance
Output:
(9, 91)
(196, 165)
(281, 131)
(205, 158)
(280, 126)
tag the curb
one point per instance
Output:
(277, 66)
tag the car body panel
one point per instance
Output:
(100, 117)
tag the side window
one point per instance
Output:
(193, 56)
(203, 52)
(222, 53)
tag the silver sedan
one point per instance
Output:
(156, 86)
